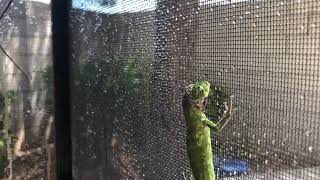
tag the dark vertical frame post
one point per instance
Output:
(61, 64)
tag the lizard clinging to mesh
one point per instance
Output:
(198, 127)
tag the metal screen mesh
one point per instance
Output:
(27, 148)
(133, 59)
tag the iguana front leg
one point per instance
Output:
(217, 127)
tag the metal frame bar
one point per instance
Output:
(61, 64)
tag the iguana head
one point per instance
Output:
(200, 90)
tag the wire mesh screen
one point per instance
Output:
(133, 59)
(26, 91)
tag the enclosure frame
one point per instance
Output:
(61, 65)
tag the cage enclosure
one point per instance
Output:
(131, 62)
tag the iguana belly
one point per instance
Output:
(200, 153)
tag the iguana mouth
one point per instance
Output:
(201, 104)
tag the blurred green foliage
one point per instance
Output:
(3, 159)
(117, 78)
(2, 103)
(3, 164)
(110, 87)
(5, 100)
(106, 94)
(11, 96)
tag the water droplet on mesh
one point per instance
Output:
(308, 133)
(310, 149)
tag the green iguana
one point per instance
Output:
(198, 127)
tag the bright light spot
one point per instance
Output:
(42, 1)
(122, 6)
(220, 2)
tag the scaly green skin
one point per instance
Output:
(198, 127)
